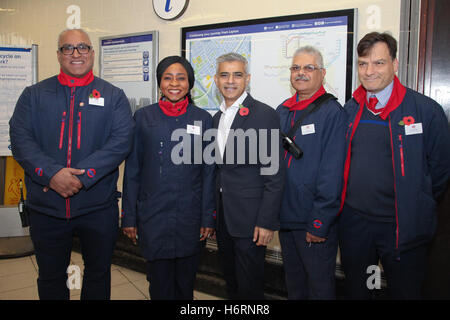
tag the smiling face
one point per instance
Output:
(174, 83)
(231, 79)
(75, 65)
(377, 69)
(306, 83)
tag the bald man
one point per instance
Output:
(70, 133)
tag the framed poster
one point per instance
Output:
(269, 45)
(18, 70)
(129, 62)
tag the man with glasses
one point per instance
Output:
(70, 133)
(314, 124)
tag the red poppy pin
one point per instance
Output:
(406, 121)
(243, 111)
(95, 94)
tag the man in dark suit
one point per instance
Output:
(249, 180)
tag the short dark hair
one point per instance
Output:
(369, 40)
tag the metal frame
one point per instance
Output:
(408, 43)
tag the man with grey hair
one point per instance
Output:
(248, 201)
(70, 133)
(314, 126)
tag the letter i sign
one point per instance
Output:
(170, 9)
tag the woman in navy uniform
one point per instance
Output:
(168, 206)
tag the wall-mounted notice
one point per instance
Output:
(15, 74)
(269, 44)
(129, 62)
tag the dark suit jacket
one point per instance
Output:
(249, 198)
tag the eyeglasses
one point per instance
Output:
(82, 48)
(308, 68)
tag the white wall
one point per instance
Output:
(24, 22)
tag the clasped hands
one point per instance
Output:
(65, 182)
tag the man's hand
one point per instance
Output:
(206, 233)
(130, 232)
(65, 182)
(312, 238)
(262, 236)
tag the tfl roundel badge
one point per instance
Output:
(91, 173)
(38, 171)
(317, 224)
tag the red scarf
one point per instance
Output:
(293, 104)
(173, 110)
(397, 95)
(69, 81)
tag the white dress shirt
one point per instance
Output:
(226, 120)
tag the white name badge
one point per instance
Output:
(193, 129)
(415, 128)
(308, 129)
(97, 102)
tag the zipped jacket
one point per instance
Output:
(168, 191)
(54, 126)
(314, 182)
(420, 145)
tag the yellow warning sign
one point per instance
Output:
(14, 173)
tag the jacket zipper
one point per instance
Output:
(63, 125)
(292, 124)
(79, 130)
(395, 186)
(402, 158)
(69, 146)
(161, 144)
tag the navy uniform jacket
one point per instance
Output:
(168, 202)
(54, 126)
(421, 163)
(313, 183)
(250, 199)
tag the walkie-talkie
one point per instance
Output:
(22, 209)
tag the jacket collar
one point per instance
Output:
(69, 81)
(238, 119)
(397, 95)
(172, 110)
(293, 103)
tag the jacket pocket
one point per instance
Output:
(306, 198)
(252, 192)
(79, 130)
(426, 216)
(63, 126)
(348, 130)
(402, 155)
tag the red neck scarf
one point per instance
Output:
(174, 110)
(293, 104)
(69, 81)
(397, 95)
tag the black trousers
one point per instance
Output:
(309, 268)
(52, 240)
(363, 243)
(172, 279)
(242, 263)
